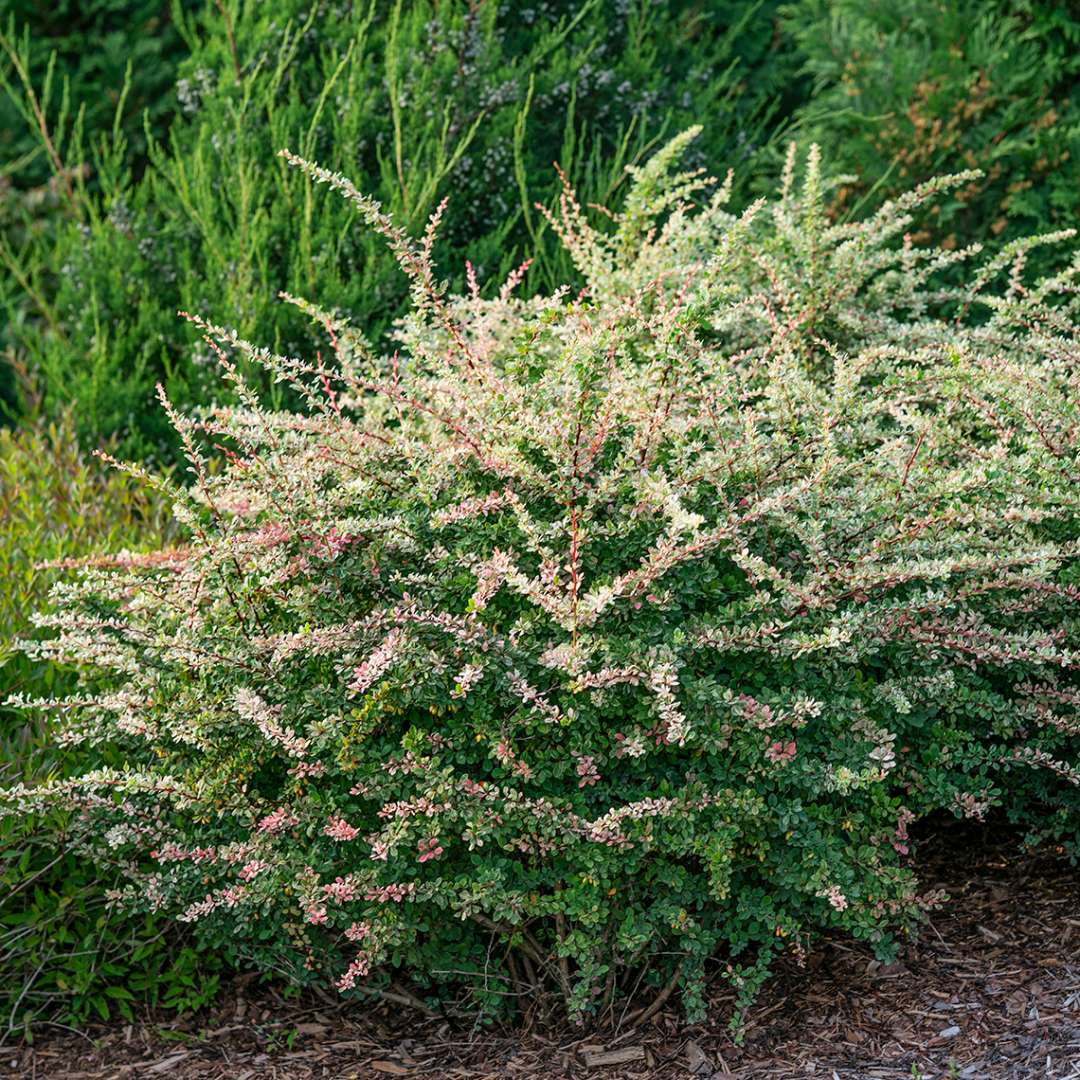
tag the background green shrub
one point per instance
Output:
(415, 100)
(84, 51)
(906, 91)
(88, 70)
(65, 951)
(418, 101)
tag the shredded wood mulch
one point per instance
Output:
(990, 990)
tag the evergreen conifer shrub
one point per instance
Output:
(907, 91)
(414, 100)
(603, 636)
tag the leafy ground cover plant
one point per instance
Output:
(414, 100)
(65, 953)
(607, 639)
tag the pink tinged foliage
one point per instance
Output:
(504, 754)
(612, 550)
(413, 808)
(338, 828)
(664, 681)
(587, 771)
(228, 897)
(491, 575)
(356, 970)
(331, 544)
(341, 890)
(406, 765)
(760, 715)
(394, 893)
(532, 697)
(837, 900)
(267, 719)
(307, 768)
(467, 678)
(476, 507)
(277, 821)
(429, 848)
(608, 677)
(633, 745)
(172, 852)
(970, 806)
(378, 663)
(781, 752)
(900, 836)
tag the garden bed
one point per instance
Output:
(991, 989)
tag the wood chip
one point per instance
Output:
(700, 1064)
(167, 1064)
(615, 1057)
(392, 1068)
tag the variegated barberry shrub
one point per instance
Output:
(605, 640)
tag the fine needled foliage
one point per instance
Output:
(604, 641)
(413, 99)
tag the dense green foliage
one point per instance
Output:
(55, 505)
(84, 51)
(417, 101)
(906, 91)
(586, 641)
(72, 75)
(62, 949)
